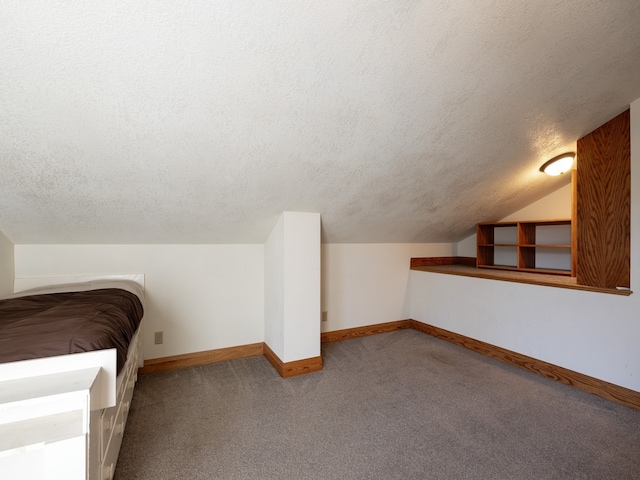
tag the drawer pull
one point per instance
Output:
(108, 424)
(107, 472)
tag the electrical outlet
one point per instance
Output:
(158, 338)
(324, 316)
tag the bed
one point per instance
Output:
(65, 391)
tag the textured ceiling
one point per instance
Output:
(163, 121)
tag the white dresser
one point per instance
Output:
(45, 424)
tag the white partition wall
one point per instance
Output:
(274, 289)
(292, 287)
(6, 266)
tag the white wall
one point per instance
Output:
(213, 296)
(302, 286)
(202, 297)
(555, 206)
(365, 284)
(292, 287)
(274, 289)
(592, 333)
(6, 266)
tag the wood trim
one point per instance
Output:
(348, 333)
(604, 202)
(176, 362)
(273, 359)
(436, 261)
(616, 393)
(292, 369)
(574, 223)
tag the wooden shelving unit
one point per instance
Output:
(542, 246)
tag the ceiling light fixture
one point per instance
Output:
(558, 165)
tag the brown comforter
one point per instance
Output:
(60, 323)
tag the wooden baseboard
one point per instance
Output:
(348, 333)
(291, 369)
(201, 358)
(616, 393)
(286, 370)
(610, 391)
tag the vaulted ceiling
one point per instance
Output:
(163, 121)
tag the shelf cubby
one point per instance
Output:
(542, 246)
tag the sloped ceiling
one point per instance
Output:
(163, 121)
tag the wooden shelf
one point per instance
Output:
(499, 245)
(500, 267)
(548, 271)
(546, 245)
(517, 246)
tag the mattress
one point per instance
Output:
(36, 325)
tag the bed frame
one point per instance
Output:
(63, 417)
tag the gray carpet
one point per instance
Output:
(400, 405)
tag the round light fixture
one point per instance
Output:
(558, 165)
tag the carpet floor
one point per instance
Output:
(399, 405)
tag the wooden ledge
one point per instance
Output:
(463, 268)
